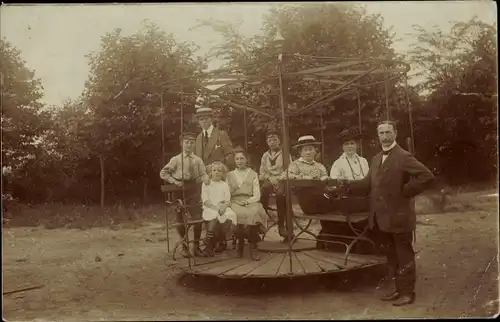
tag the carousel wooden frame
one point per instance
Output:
(341, 77)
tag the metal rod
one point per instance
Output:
(237, 105)
(338, 89)
(386, 87)
(245, 128)
(286, 159)
(321, 124)
(163, 164)
(183, 188)
(410, 118)
(360, 123)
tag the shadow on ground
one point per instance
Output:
(347, 281)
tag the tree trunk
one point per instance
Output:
(145, 190)
(101, 161)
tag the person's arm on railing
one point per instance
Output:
(167, 170)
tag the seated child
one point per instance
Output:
(216, 205)
(271, 168)
(312, 201)
(186, 169)
(245, 201)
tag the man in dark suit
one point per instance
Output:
(394, 178)
(212, 144)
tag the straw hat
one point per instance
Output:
(204, 111)
(306, 140)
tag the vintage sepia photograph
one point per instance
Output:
(239, 160)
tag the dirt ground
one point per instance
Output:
(125, 274)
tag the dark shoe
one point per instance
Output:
(391, 297)
(241, 246)
(282, 232)
(405, 300)
(185, 252)
(220, 248)
(254, 253)
(199, 253)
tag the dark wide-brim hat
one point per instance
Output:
(273, 131)
(187, 136)
(306, 140)
(351, 134)
(204, 111)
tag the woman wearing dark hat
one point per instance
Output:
(349, 166)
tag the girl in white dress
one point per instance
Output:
(216, 197)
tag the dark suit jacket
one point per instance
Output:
(392, 186)
(219, 148)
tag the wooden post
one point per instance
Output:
(163, 161)
(360, 123)
(286, 163)
(410, 119)
(386, 88)
(101, 162)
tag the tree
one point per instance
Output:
(334, 30)
(24, 121)
(460, 72)
(123, 93)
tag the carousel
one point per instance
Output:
(347, 244)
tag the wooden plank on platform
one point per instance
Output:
(219, 268)
(359, 259)
(203, 261)
(270, 267)
(326, 264)
(310, 266)
(295, 268)
(249, 266)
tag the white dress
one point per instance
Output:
(351, 168)
(216, 192)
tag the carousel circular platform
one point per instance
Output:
(276, 261)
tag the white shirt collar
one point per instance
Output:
(302, 160)
(209, 130)
(276, 153)
(390, 147)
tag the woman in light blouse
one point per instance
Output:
(245, 201)
(349, 166)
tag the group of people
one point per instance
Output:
(236, 201)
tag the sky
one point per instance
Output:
(54, 39)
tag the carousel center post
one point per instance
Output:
(279, 41)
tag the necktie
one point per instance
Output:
(205, 138)
(386, 152)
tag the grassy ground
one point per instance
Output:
(113, 265)
(82, 217)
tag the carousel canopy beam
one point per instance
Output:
(323, 102)
(237, 105)
(323, 99)
(328, 67)
(358, 72)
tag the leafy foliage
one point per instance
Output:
(461, 86)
